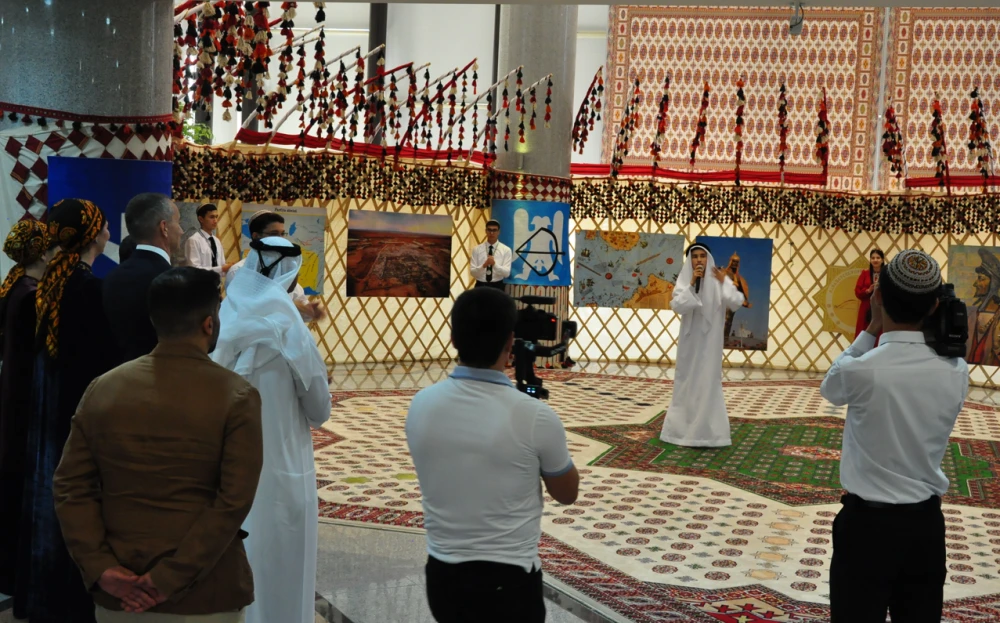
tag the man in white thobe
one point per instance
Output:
(263, 340)
(697, 415)
(266, 224)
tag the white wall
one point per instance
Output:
(591, 53)
(446, 36)
(346, 26)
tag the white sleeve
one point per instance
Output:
(502, 269)
(314, 402)
(232, 274)
(193, 252)
(732, 298)
(476, 263)
(835, 387)
(684, 300)
(550, 442)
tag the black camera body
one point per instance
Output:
(534, 325)
(948, 327)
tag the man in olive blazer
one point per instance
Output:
(161, 468)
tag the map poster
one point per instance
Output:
(537, 233)
(399, 255)
(975, 272)
(748, 263)
(626, 269)
(836, 299)
(305, 227)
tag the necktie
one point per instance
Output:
(215, 251)
(489, 269)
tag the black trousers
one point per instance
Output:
(499, 285)
(484, 592)
(887, 559)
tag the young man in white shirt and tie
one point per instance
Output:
(490, 263)
(204, 249)
(903, 399)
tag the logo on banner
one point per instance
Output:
(538, 234)
(539, 246)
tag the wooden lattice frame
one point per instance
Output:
(797, 340)
(375, 329)
(401, 330)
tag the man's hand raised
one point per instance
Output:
(719, 274)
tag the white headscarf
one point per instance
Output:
(710, 293)
(259, 321)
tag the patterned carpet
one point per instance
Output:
(662, 533)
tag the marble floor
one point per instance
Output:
(370, 568)
(377, 576)
(661, 533)
(367, 575)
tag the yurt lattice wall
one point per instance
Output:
(811, 231)
(800, 258)
(376, 329)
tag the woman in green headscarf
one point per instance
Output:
(74, 346)
(29, 245)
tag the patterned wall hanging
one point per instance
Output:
(839, 50)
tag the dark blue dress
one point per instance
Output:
(49, 585)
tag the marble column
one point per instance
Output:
(80, 78)
(543, 39)
(104, 58)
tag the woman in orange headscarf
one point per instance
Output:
(28, 244)
(74, 346)
(864, 288)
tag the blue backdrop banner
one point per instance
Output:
(748, 262)
(110, 184)
(538, 234)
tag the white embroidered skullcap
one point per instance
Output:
(258, 213)
(914, 272)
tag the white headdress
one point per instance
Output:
(259, 321)
(711, 289)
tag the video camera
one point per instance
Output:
(532, 326)
(947, 329)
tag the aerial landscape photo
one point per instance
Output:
(398, 255)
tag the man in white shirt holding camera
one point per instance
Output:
(902, 402)
(482, 450)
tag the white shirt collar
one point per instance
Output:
(152, 249)
(206, 235)
(903, 337)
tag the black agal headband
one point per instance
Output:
(697, 245)
(262, 247)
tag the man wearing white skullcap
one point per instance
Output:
(697, 415)
(263, 340)
(268, 224)
(902, 402)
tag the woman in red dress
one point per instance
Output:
(864, 287)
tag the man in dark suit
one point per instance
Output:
(153, 221)
(161, 468)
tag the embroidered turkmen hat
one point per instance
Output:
(914, 272)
